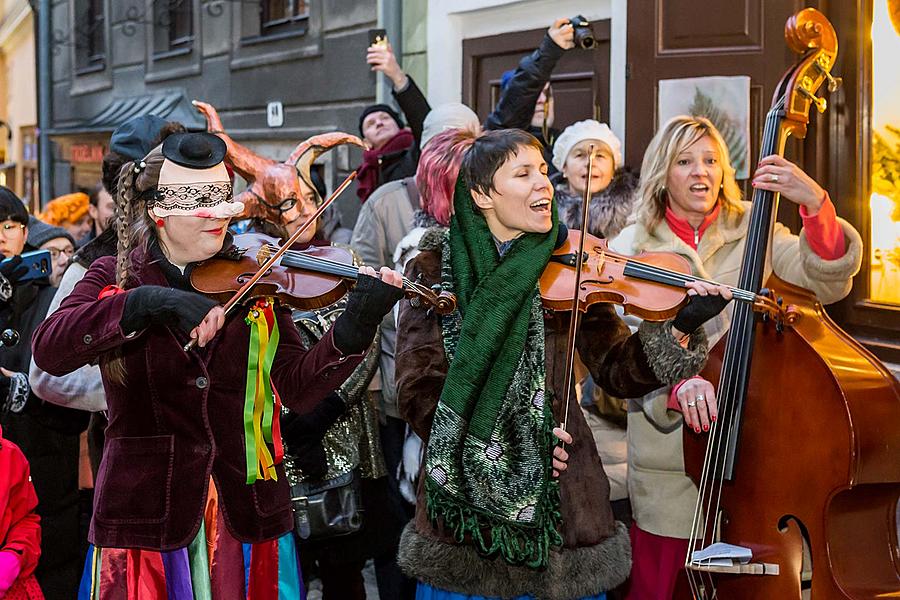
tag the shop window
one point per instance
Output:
(173, 27)
(90, 42)
(884, 273)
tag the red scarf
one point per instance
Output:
(367, 174)
(685, 231)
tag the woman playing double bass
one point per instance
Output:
(689, 203)
(178, 417)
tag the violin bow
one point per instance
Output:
(579, 263)
(245, 289)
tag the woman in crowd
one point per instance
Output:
(690, 203)
(176, 417)
(499, 514)
(613, 187)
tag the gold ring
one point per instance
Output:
(773, 178)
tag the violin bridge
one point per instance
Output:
(600, 262)
(263, 254)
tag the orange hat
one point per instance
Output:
(68, 209)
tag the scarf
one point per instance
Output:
(368, 173)
(488, 464)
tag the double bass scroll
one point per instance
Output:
(803, 464)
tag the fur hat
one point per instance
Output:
(588, 129)
(453, 115)
(69, 208)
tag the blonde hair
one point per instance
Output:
(672, 139)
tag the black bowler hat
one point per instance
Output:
(194, 150)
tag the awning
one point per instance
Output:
(7, 166)
(171, 106)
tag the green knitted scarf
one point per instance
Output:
(489, 462)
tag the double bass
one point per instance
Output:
(803, 464)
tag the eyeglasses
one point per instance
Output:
(55, 252)
(282, 206)
(10, 228)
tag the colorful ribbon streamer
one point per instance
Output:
(261, 402)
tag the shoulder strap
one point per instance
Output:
(412, 192)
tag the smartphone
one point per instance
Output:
(38, 263)
(378, 37)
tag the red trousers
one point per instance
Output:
(657, 564)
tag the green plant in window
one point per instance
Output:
(886, 166)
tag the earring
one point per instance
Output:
(160, 223)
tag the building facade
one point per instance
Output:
(301, 60)
(18, 110)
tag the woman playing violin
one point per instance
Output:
(691, 204)
(502, 512)
(178, 418)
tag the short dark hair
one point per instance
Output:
(11, 207)
(489, 152)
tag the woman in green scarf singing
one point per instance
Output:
(503, 511)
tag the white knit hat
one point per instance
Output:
(452, 115)
(588, 129)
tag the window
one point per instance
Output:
(90, 40)
(173, 26)
(283, 16)
(884, 275)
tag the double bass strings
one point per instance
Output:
(737, 350)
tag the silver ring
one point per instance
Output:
(773, 178)
(692, 404)
(701, 398)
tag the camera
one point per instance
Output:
(584, 35)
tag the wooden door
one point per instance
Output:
(580, 80)
(669, 39)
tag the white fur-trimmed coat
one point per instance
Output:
(662, 496)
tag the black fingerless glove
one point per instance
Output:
(303, 434)
(698, 311)
(367, 303)
(154, 304)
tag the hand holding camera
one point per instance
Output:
(571, 33)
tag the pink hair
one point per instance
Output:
(438, 170)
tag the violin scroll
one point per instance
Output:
(436, 299)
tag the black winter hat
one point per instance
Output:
(40, 232)
(380, 108)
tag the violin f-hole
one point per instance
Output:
(245, 277)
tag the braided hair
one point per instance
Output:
(137, 180)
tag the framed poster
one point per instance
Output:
(723, 100)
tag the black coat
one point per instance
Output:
(48, 436)
(516, 105)
(403, 163)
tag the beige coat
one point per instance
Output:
(662, 496)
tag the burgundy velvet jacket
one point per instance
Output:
(178, 419)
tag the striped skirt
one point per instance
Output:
(215, 566)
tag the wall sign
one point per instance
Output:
(274, 114)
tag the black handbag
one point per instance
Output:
(329, 508)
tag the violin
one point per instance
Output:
(309, 278)
(649, 285)
(303, 279)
